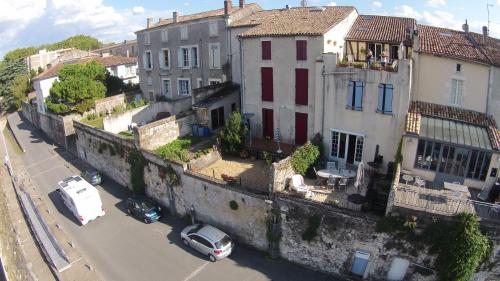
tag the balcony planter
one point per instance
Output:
(342, 64)
(390, 69)
(359, 65)
(375, 66)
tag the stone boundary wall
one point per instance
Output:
(158, 133)
(120, 122)
(108, 104)
(30, 113)
(57, 127)
(204, 161)
(280, 172)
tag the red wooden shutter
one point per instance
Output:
(300, 128)
(301, 86)
(268, 123)
(301, 49)
(267, 83)
(266, 50)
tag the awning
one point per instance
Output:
(455, 132)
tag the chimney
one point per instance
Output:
(465, 27)
(485, 34)
(242, 3)
(175, 16)
(287, 7)
(228, 5)
(149, 22)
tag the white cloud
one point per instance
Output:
(137, 10)
(335, 4)
(436, 3)
(377, 4)
(407, 11)
(498, 2)
(34, 22)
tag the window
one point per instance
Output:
(164, 35)
(301, 86)
(376, 50)
(200, 82)
(213, 29)
(184, 32)
(184, 87)
(267, 83)
(151, 95)
(166, 88)
(385, 98)
(347, 147)
(214, 55)
(188, 57)
(300, 128)
(233, 107)
(147, 39)
(147, 60)
(452, 160)
(355, 95)
(164, 57)
(301, 49)
(457, 88)
(394, 52)
(268, 123)
(266, 50)
(459, 67)
(214, 81)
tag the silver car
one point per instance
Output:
(207, 240)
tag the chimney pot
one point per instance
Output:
(465, 27)
(287, 7)
(149, 22)
(242, 3)
(228, 5)
(175, 16)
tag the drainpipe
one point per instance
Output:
(490, 82)
(242, 88)
(325, 75)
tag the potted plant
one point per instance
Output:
(343, 63)
(359, 65)
(375, 66)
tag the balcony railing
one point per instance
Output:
(376, 65)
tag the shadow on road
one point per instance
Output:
(56, 199)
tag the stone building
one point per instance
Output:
(127, 48)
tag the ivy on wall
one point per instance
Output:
(137, 163)
(168, 173)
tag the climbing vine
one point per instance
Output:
(168, 173)
(312, 228)
(137, 163)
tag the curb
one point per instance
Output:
(15, 136)
(3, 275)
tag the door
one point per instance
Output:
(351, 149)
(267, 123)
(451, 166)
(300, 128)
(221, 116)
(217, 116)
(195, 242)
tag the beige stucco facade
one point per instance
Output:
(376, 128)
(433, 78)
(494, 93)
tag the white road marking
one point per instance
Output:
(41, 161)
(45, 171)
(197, 271)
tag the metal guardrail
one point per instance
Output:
(328, 199)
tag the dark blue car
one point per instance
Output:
(144, 209)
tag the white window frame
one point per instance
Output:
(182, 59)
(169, 87)
(456, 98)
(179, 86)
(164, 35)
(145, 66)
(161, 58)
(214, 63)
(199, 82)
(213, 28)
(360, 138)
(147, 39)
(210, 80)
(184, 32)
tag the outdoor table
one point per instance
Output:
(325, 173)
(407, 178)
(457, 188)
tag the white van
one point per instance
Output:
(81, 198)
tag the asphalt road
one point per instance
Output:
(123, 248)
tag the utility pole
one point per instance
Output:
(488, 5)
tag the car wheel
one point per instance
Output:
(185, 242)
(129, 211)
(212, 258)
(145, 220)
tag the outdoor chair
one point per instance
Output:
(331, 182)
(299, 186)
(331, 166)
(319, 180)
(419, 182)
(343, 183)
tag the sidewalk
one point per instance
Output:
(80, 269)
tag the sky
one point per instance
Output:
(35, 22)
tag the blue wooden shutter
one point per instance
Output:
(359, 95)
(380, 106)
(388, 98)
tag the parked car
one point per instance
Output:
(81, 198)
(92, 176)
(144, 209)
(208, 240)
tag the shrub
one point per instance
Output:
(312, 229)
(178, 149)
(267, 158)
(84, 106)
(304, 157)
(233, 205)
(233, 134)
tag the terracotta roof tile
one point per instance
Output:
(449, 43)
(420, 108)
(294, 21)
(491, 47)
(106, 61)
(381, 29)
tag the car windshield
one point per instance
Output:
(223, 242)
(198, 227)
(146, 205)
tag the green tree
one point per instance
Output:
(19, 88)
(82, 42)
(462, 249)
(304, 157)
(20, 53)
(114, 84)
(233, 134)
(9, 70)
(78, 86)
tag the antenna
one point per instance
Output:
(488, 5)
